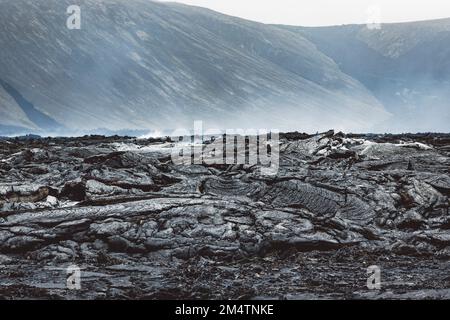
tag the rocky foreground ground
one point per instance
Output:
(139, 226)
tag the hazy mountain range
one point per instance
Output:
(140, 64)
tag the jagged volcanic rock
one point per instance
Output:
(140, 226)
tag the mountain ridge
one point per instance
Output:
(152, 65)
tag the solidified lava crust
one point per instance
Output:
(141, 227)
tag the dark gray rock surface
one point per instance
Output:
(141, 227)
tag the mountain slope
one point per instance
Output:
(36, 117)
(405, 65)
(142, 64)
(10, 112)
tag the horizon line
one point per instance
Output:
(176, 2)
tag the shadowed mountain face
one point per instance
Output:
(38, 118)
(147, 65)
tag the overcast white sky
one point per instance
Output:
(328, 12)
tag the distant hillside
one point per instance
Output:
(406, 66)
(142, 64)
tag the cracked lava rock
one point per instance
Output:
(140, 227)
